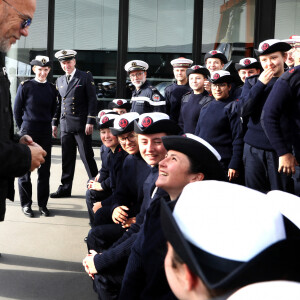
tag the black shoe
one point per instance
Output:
(60, 194)
(44, 211)
(28, 211)
(85, 239)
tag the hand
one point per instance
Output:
(26, 140)
(94, 185)
(54, 131)
(88, 263)
(119, 215)
(207, 86)
(89, 129)
(37, 155)
(97, 206)
(266, 76)
(128, 222)
(97, 177)
(232, 174)
(287, 163)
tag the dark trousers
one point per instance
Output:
(261, 171)
(24, 182)
(68, 146)
(93, 197)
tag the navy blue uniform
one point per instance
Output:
(93, 196)
(76, 107)
(173, 95)
(191, 105)
(260, 159)
(147, 99)
(284, 99)
(34, 108)
(219, 124)
(128, 192)
(112, 263)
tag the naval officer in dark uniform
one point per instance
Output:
(145, 97)
(76, 110)
(34, 108)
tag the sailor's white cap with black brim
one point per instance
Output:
(119, 103)
(294, 39)
(124, 123)
(247, 63)
(181, 62)
(156, 122)
(107, 120)
(135, 65)
(197, 69)
(269, 290)
(41, 61)
(200, 151)
(106, 111)
(220, 76)
(216, 54)
(271, 46)
(230, 235)
(64, 55)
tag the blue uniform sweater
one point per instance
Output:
(35, 106)
(253, 98)
(173, 95)
(191, 105)
(219, 124)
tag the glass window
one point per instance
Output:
(287, 20)
(160, 31)
(229, 27)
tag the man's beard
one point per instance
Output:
(4, 45)
(139, 84)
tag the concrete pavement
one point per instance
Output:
(41, 257)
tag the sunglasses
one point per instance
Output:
(26, 20)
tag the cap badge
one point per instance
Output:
(105, 119)
(43, 61)
(119, 102)
(123, 123)
(147, 121)
(265, 46)
(102, 114)
(195, 67)
(247, 62)
(214, 52)
(216, 76)
(64, 52)
(133, 64)
(155, 97)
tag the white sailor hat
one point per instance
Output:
(135, 65)
(41, 60)
(155, 122)
(107, 120)
(247, 63)
(230, 235)
(63, 55)
(124, 123)
(106, 83)
(181, 62)
(105, 111)
(292, 40)
(197, 69)
(271, 46)
(269, 290)
(119, 103)
(220, 76)
(216, 54)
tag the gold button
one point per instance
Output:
(73, 98)
(73, 112)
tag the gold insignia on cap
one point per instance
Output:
(64, 52)
(133, 64)
(43, 61)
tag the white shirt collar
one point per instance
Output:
(72, 74)
(40, 81)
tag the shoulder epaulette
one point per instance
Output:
(153, 88)
(23, 82)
